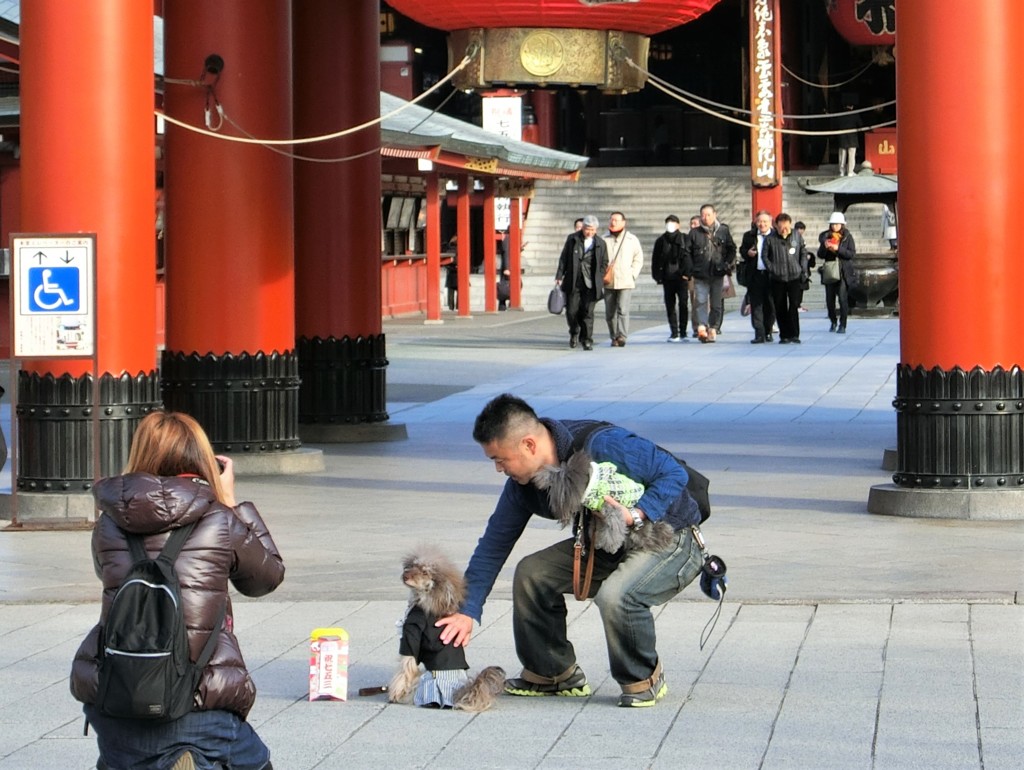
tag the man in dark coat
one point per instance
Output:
(755, 268)
(580, 271)
(670, 271)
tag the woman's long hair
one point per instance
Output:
(173, 443)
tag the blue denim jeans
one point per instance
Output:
(624, 588)
(218, 740)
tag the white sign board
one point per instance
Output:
(53, 289)
(503, 115)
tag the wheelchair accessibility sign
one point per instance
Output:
(53, 286)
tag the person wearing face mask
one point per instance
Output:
(627, 258)
(671, 272)
(581, 265)
(752, 251)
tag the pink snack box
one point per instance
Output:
(328, 664)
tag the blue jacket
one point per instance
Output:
(665, 498)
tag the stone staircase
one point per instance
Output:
(646, 196)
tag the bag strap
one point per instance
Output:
(582, 576)
(172, 547)
(581, 592)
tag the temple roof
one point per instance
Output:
(418, 132)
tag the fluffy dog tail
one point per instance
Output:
(479, 694)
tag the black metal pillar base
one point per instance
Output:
(343, 393)
(245, 403)
(55, 427)
(957, 432)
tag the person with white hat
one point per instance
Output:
(836, 249)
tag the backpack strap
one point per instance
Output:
(579, 438)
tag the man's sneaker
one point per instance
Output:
(575, 685)
(675, 338)
(645, 698)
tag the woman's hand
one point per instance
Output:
(227, 479)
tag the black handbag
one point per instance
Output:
(556, 300)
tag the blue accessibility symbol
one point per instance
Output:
(53, 290)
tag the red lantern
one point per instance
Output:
(864, 22)
(646, 17)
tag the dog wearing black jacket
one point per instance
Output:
(437, 589)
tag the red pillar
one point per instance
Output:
(338, 215)
(515, 250)
(87, 160)
(433, 236)
(959, 389)
(490, 263)
(973, 165)
(462, 242)
(545, 110)
(88, 165)
(230, 280)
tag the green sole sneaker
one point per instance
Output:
(645, 699)
(575, 686)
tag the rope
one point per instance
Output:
(311, 139)
(748, 124)
(830, 85)
(652, 77)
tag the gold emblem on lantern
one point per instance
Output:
(541, 53)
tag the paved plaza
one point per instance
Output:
(847, 640)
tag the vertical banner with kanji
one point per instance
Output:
(765, 104)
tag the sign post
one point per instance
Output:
(53, 315)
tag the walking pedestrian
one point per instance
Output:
(581, 265)
(626, 257)
(836, 249)
(670, 271)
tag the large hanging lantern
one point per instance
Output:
(864, 22)
(551, 42)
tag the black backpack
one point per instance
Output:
(697, 484)
(144, 667)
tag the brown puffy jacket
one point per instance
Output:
(225, 545)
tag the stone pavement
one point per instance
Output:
(847, 640)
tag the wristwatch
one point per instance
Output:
(637, 519)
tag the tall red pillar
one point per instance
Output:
(87, 165)
(490, 268)
(230, 358)
(342, 357)
(959, 388)
(462, 242)
(545, 111)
